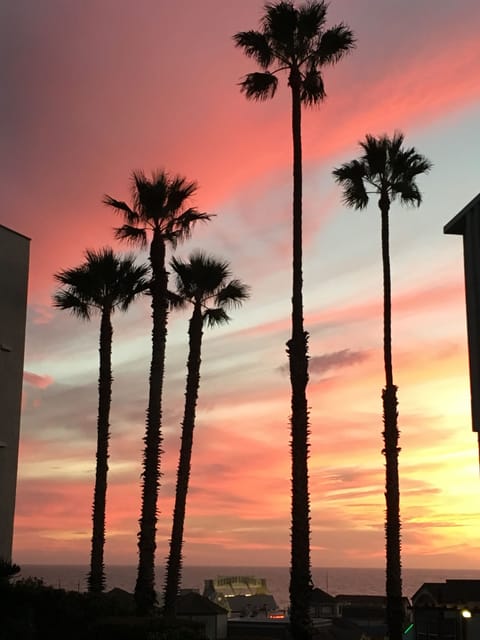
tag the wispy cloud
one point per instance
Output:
(336, 360)
(38, 381)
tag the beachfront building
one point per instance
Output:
(241, 596)
(323, 605)
(14, 258)
(447, 610)
(368, 612)
(228, 586)
(196, 608)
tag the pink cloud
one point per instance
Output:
(403, 74)
(40, 314)
(38, 381)
(408, 301)
(222, 120)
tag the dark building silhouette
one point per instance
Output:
(14, 259)
(467, 224)
(447, 610)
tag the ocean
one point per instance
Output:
(333, 580)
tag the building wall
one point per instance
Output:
(14, 258)
(443, 623)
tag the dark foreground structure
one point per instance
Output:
(447, 610)
(467, 224)
(14, 260)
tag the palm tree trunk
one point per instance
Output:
(297, 349)
(145, 596)
(174, 562)
(96, 577)
(391, 450)
(384, 204)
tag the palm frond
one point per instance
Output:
(420, 165)
(233, 294)
(131, 216)
(204, 278)
(179, 191)
(202, 262)
(180, 227)
(375, 156)
(133, 235)
(334, 44)
(65, 276)
(214, 317)
(183, 278)
(79, 280)
(208, 273)
(66, 300)
(351, 177)
(176, 301)
(313, 89)
(406, 164)
(255, 45)
(311, 19)
(259, 86)
(309, 28)
(132, 281)
(95, 257)
(149, 195)
(200, 277)
(395, 143)
(407, 192)
(160, 181)
(280, 26)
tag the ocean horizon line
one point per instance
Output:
(251, 565)
(333, 580)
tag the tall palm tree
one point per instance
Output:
(159, 209)
(201, 282)
(103, 283)
(388, 170)
(297, 41)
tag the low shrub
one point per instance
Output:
(30, 610)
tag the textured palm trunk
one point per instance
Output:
(391, 450)
(145, 596)
(174, 562)
(297, 349)
(96, 576)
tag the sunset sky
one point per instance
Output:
(93, 90)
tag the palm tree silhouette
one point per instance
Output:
(159, 209)
(388, 170)
(103, 283)
(201, 282)
(297, 41)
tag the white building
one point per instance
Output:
(14, 258)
